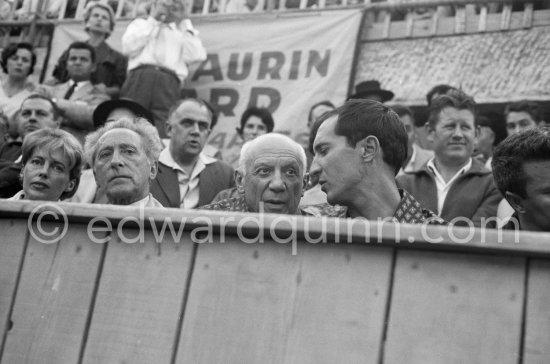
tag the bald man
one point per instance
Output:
(270, 177)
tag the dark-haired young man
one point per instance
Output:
(521, 169)
(78, 97)
(521, 115)
(359, 148)
(452, 183)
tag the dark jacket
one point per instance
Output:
(472, 195)
(214, 178)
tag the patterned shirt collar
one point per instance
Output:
(409, 211)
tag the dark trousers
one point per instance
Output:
(155, 88)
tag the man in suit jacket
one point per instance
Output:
(453, 183)
(78, 97)
(188, 178)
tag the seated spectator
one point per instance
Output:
(4, 128)
(521, 168)
(18, 62)
(521, 115)
(37, 112)
(359, 148)
(452, 183)
(371, 90)
(317, 110)
(108, 111)
(270, 177)
(187, 177)
(112, 110)
(78, 97)
(492, 130)
(416, 156)
(255, 122)
(110, 66)
(124, 156)
(52, 160)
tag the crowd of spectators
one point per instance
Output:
(110, 127)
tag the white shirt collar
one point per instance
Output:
(143, 202)
(167, 159)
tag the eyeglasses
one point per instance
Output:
(189, 123)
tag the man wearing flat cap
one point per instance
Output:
(371, 90)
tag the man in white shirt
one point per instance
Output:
(160, 49)
(188, 178)
(451, 183)
(124, 155)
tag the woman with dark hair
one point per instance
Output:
(255, 121)
(52, 162)
(17, 62)
(110, 72)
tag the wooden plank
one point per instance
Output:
(139, 300)
(53, 299)
(12, 246)
(387, 25)
(482, 26)
(455, 308)
(541, 17)
(537, 327)
(505, 17)
(256, 303)
(528, 15)
(460, 20)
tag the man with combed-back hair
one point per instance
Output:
(521, 169)
(124, 156)
(359, 148)
(270, 177)
(452, 183)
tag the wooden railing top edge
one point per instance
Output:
(309, 229)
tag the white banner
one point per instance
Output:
(285, 62)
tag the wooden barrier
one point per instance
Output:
(240, 288)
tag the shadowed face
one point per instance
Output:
(517, 121)
(35, 114)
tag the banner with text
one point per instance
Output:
(285, 63)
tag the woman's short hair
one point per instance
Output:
(51, 140)
(260, 112)
(12, 49)
(98, 4)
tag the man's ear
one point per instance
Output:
(154, 170)
(515, 201)
(168, 128)
(369, 148)
(305, 181)
(239, 181)
(429, 132)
